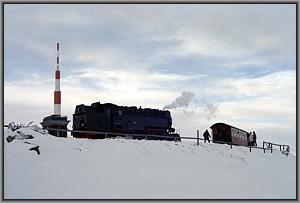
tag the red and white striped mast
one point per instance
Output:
(57, 93)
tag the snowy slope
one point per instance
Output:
(139, 169)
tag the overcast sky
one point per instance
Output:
(237, 63)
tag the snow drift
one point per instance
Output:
(70, 168)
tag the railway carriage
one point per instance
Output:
(222, 132)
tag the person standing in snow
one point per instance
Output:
(248, 135)
(254, 139)
(206, 136)
(250, 139)
(286, 151)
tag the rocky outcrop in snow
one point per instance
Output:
(14, 131)
(36, 148)
(21, 132)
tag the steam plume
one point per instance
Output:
(182, 101)
(210, 109)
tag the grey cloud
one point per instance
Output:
(152, 37)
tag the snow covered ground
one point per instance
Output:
(70, 168)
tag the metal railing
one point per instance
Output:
(147, 136)
(269, 145)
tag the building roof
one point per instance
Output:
(216, 124)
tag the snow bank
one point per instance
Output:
(70, 168)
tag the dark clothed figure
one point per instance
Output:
(286, 151)
(248, 138)
(251, 141)
(206, 136)
(254, 139)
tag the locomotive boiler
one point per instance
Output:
(115, 119)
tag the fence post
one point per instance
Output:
(250, 149)
(271, 148)
(197, 137)
(264, 150)
(230, 145)
(279, 147)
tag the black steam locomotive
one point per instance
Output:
(139, 122)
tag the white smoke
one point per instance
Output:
(210, 109)
(182, 101)
(188, 111)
